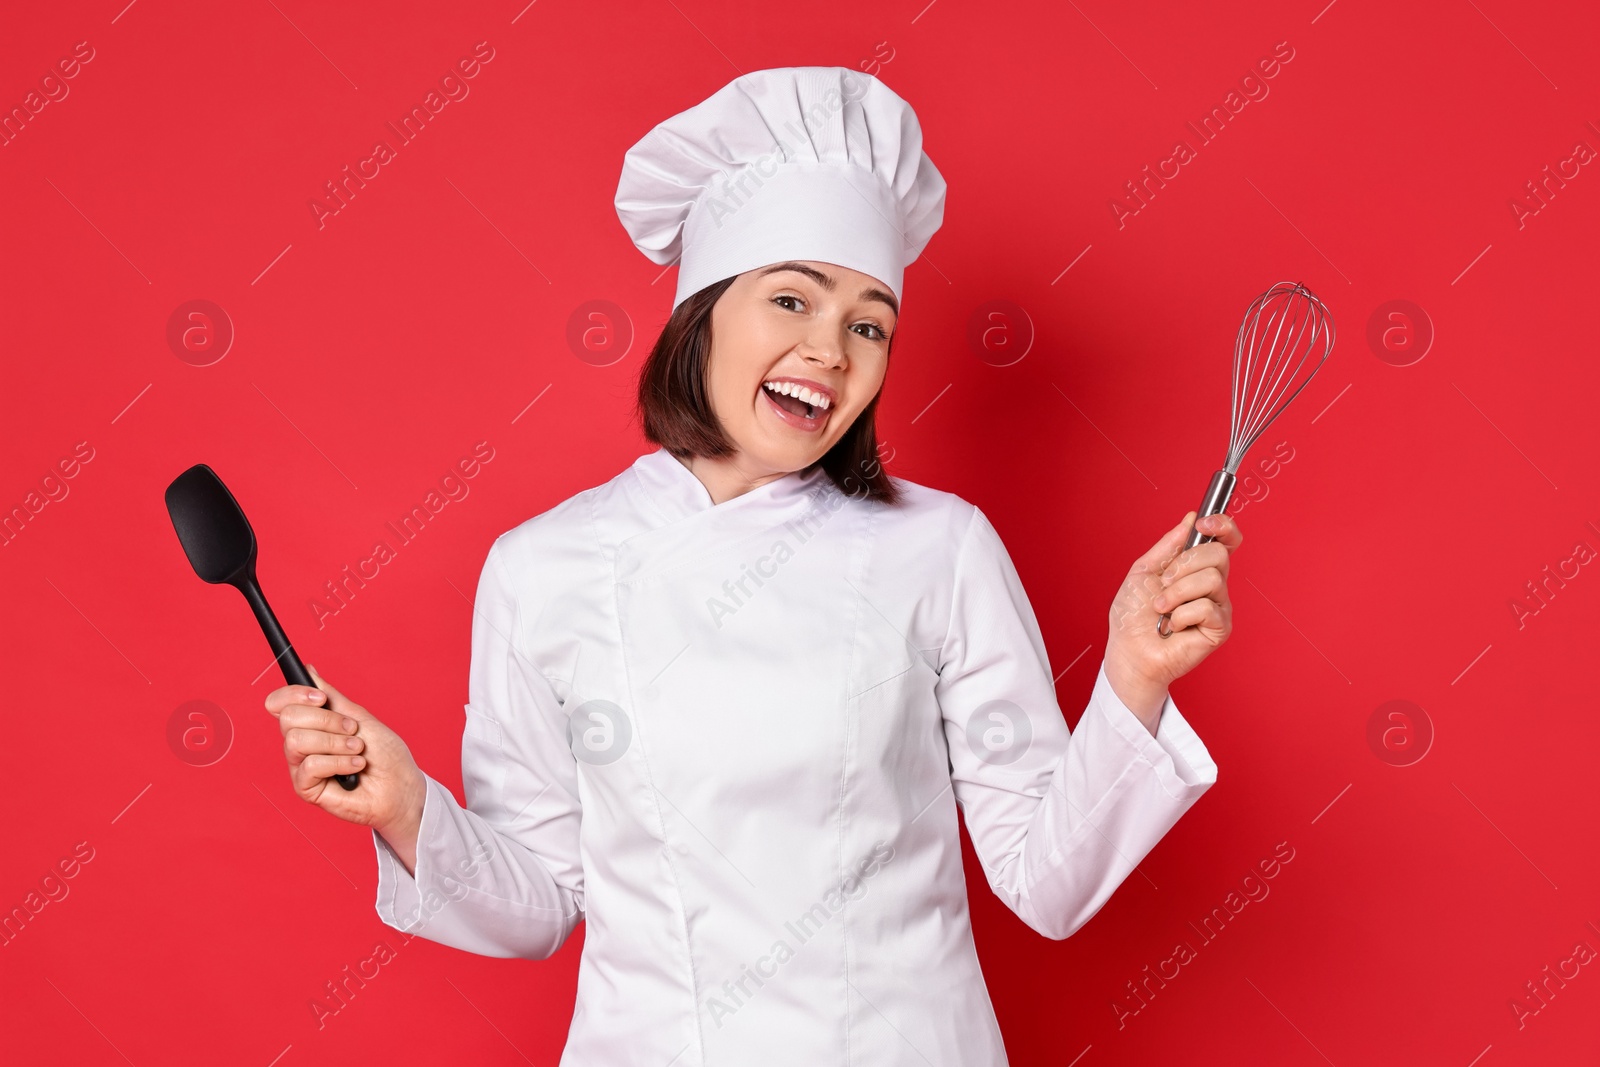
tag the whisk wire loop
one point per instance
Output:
(1263, 370)
(1301, 330)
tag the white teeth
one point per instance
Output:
(817, 400)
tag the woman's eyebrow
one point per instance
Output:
(827, 282)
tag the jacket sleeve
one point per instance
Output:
(502, 876)
(1058, 818)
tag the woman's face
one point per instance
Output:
(791, 326)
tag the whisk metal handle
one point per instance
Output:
(1217, 496)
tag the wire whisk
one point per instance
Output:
(1285, 329)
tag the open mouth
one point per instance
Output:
(796, 405)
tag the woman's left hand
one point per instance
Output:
(1140, 663)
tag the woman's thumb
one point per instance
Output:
(1180, 533)
(1171, 542)
(333, 694)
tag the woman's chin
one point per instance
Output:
(789, 457)
(782, 449)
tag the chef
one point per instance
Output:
(726, 708)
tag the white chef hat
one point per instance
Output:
(819, 163)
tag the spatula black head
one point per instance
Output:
(222, 549)
(211, 527)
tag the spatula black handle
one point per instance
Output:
(294, 672)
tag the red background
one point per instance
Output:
(370, 354)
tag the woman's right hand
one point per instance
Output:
(326, 734)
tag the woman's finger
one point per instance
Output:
(307, 717)
(1198, 612)
(290, 695)
(1221, 528)
(1208, 583)
(318, 766)
(1211, 554)
(298, 744)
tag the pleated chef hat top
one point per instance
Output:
(818, 163)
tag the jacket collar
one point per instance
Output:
(674, 493)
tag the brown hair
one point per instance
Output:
(677, 415)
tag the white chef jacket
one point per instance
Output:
(733, 739)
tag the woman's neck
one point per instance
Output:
(725, 477)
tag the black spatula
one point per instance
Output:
(222, 549)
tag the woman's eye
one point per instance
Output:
(785, 300)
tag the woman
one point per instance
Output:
(724, 707)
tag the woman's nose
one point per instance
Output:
(823, 346)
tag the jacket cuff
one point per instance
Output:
(399, 901)
(1182, 764)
